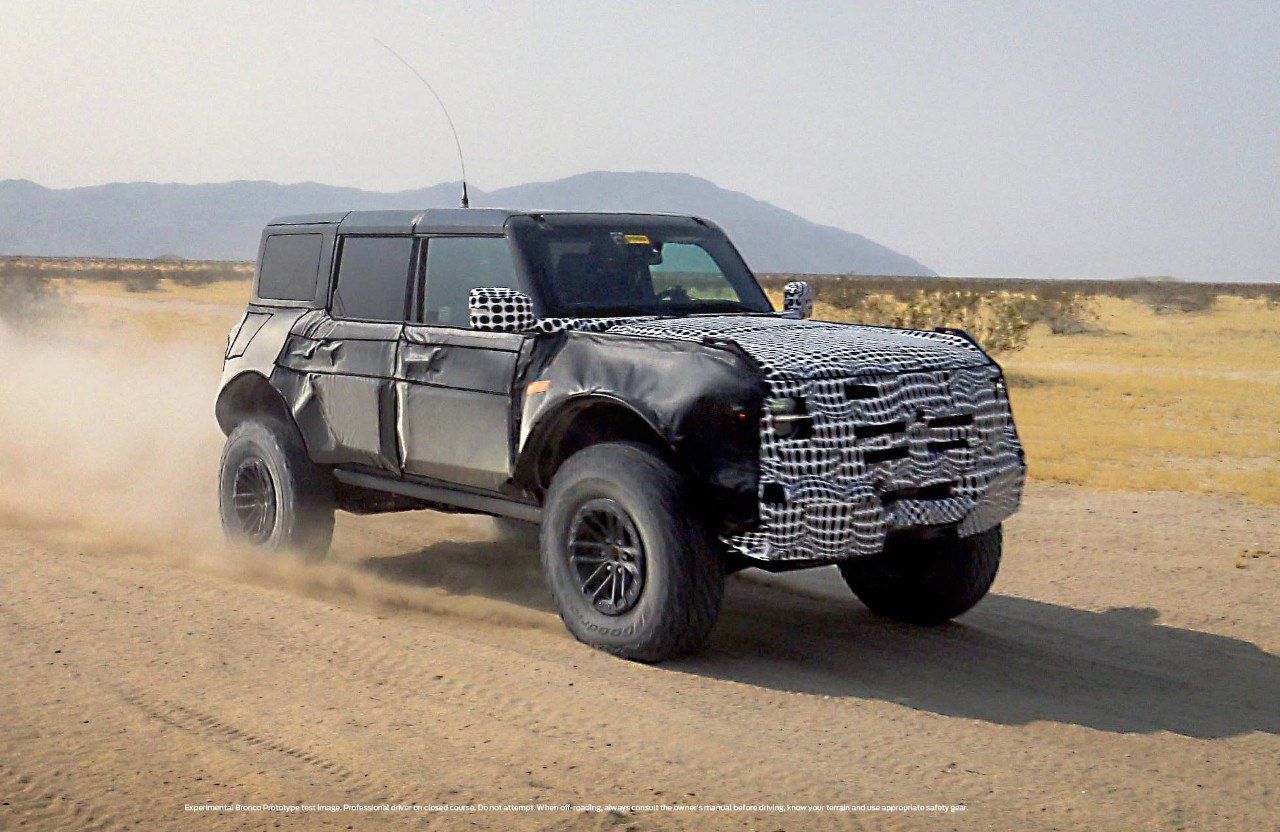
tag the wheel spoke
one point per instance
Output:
(591, 577)
(608, 581)
(599, 526)
(254, 500)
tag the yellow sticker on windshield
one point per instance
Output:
(636, 239)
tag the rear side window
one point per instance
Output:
(455, 266)
(373, 278)
(290, 263)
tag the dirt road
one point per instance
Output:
(1124, 675)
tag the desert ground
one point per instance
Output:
(1124, 674)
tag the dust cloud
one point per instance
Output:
(109, 447)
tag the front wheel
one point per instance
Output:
(626, 556)
(926, 581)
(270, 494)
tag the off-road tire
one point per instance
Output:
(303, 491)
(684, 576)
(926, 582)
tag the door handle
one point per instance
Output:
(428, 358)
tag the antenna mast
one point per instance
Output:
(466, 203)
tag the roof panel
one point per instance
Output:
(330, 218)
(379, 222)
(445, 220)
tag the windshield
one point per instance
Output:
(593, 265)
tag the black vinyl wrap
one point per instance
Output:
(702, 400)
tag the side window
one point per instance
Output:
(455, 266)
(290, 263)
(373, 278)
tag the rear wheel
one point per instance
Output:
(271, 495)
(926, 581)
(627, 558)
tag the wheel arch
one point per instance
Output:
(578, 422)
(249, 394)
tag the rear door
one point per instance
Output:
(453, 384)
(350, 354)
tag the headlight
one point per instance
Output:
(791, 419)
(782, 407)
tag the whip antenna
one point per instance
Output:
(461, 162)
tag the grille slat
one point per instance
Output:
(869, 431)
(879, 455)
(957, 420)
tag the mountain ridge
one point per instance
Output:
(222, 220)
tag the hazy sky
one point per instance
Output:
(1044, 139)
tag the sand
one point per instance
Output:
(1116, 679)
(1123, 674)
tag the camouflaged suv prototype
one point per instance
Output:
(622, 381)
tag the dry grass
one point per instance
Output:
(1157, 401)
(1162, 295)
(1144, 394)
(135, 275)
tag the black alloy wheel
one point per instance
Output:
(607, 554)
(254, 496)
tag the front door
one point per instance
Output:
(453, 384)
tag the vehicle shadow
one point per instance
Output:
(1010, 661)
(498, 570)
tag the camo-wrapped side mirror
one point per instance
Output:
(797, 297)
(501, 310)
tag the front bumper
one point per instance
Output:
(881, 454)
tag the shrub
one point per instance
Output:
(27, 299)
(999, 317)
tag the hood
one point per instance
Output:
(796, 349)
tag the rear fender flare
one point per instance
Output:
(247, 395)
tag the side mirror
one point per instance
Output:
(501, 310)
(797, 297)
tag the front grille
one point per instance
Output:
(853, 459)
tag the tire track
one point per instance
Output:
(654, 741)
(574, 728)
(32, 797)
(212, 729)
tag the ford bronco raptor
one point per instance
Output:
(623, 381)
